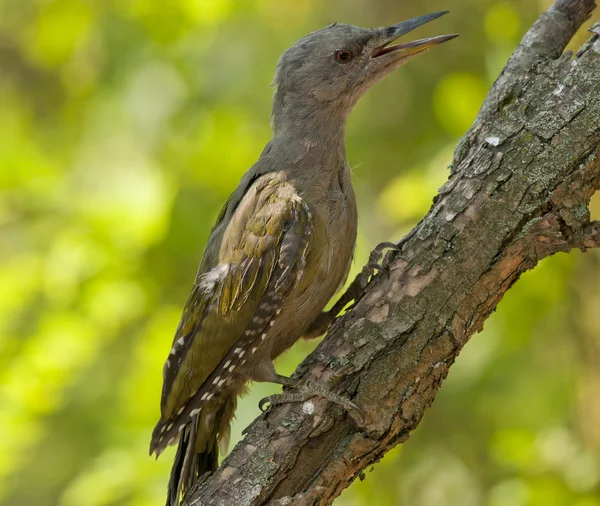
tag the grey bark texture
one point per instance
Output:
(518, 191)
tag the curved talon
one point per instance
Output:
(357, 288)
(263, 401)
(387, 245)
(375, 267)
(312, 389)
(357, 414)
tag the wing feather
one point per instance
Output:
(227, 316)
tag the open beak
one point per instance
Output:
(405, 49)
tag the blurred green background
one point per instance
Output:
(124, 125)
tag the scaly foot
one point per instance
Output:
(355, 291)
(305, 391)
(357, 288)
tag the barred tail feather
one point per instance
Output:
(189, 465)
(198, 449)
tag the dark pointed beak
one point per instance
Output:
(391, 33)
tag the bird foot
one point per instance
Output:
(307, 390)
(357, 288)
(375, 257)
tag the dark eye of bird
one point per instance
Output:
(343, 56)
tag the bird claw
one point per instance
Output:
(307, 391)
(266, 403)
(357, 288)
(386, 245)
(374, 267)
(277, 399)
(374, 264)
(377, 253)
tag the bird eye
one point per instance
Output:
(343, 56)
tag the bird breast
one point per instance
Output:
(328, 260)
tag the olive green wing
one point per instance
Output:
(261, 257)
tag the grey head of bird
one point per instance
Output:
(333, 67)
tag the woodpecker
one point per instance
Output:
(282, 244)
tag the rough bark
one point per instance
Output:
(519, 190)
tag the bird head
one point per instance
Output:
(340, 62)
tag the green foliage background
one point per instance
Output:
(124, 124)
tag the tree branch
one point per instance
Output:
(519, 191)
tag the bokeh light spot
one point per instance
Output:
(456, 101)
(502, 23)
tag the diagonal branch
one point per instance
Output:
(519, 191)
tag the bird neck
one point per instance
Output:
(318, 126)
